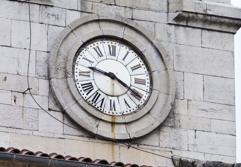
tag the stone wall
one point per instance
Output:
(202, 123)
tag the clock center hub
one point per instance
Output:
(110, 85)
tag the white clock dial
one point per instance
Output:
(112, 77)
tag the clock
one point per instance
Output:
(112, 77)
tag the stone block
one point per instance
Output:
(36, 101)
(43, 87)
(85, 6)
(18, 117)
(189, 154)
(17, 98)
(218, 40)
(5, 137)
(222, 158)
(219, 90)
(187, 36)
(70, 4)
(220, 1)
(71, 16)
(5, 32)
(52, 15)
(149, 16)
(5, 97)
(141, 157)
(193, 86)
(71, 128)
(152, 139)
(103, 9)
(225, 127)
(41, 64)
(179, 85)
(173, 138)
(211, 110)
(39, 37)
(18, 11)
(17, 83)
(20, 34)
(53, 33)
(204, 61)
(149, 26)
(212, 143)
(152, 5)
(180, 107)
(195, 123)
(49, 124)
(164, 32)
(15, 61)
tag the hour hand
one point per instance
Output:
(98, 70)
(101, 71)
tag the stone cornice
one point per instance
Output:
(207, 15)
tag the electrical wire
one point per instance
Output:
(129, 145)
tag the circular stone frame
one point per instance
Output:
(124, 127)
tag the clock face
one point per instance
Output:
(112, 77)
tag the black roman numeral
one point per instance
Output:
(112, 50)
(95, 97)
(102, 103)
(84, 73)
(125, 56)
(135, 67)
(112, 105)
(136, 94)
(98, 51)
(126, 103)
(87, 87)
(91, 62)
(140, 81)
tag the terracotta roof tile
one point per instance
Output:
(55, 156)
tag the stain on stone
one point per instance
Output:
(14, 99)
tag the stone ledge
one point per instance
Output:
(207, 15)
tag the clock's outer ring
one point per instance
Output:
(63, 86)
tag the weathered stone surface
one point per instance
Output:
(153, 5)
(39, 37)
(221, 126)
(103, 9)
(218, 40)
(188, 36)
(179, 85)
(48, 123)
(212, 143)
(204, 61)
(54, 16)
(18, 117)
(164, 32)
(193, 86)
(219, 90)
(5, 97)
(20, 34)
(17, 83)
(71, 16)
(173, 138)
(5, 32)
(18, 58)
(149, 16)
(211, 110)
